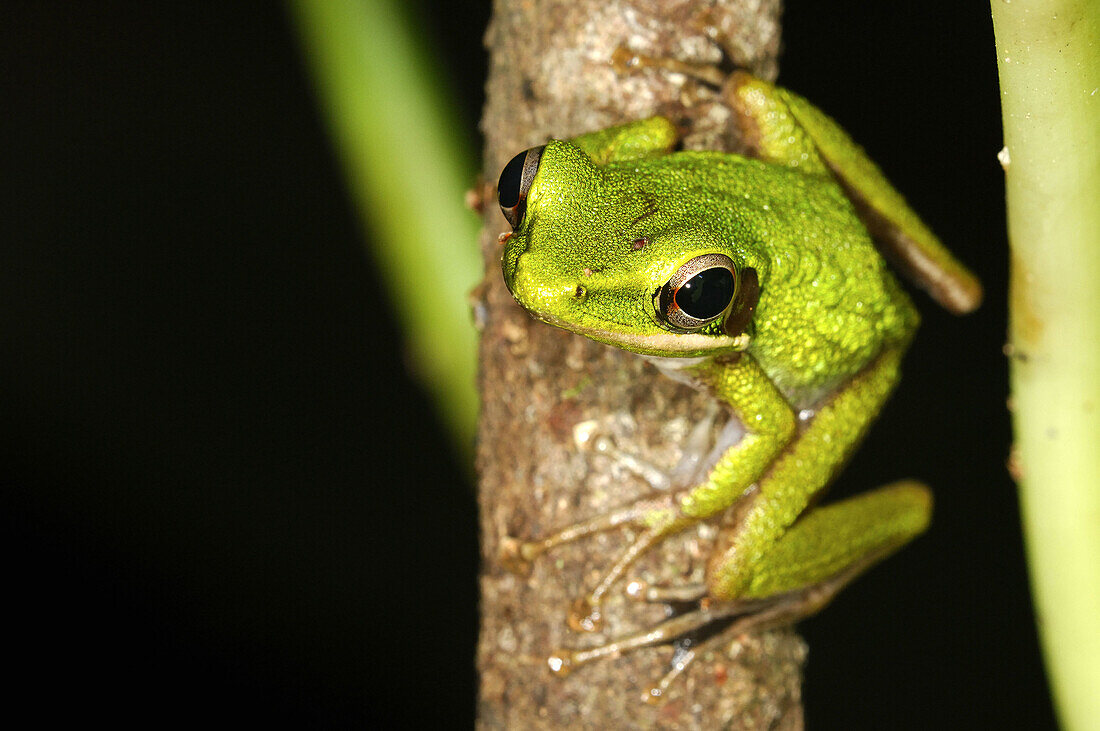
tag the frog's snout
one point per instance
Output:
(534, 287)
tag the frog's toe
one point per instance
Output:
(512, 556)
(561, 663)
(584, 616)
(643, 591)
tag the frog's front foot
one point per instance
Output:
(518, 556)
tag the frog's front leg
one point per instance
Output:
(769, 427)
(779, 562)
(871, 526)
(776, 546)
(637, 140)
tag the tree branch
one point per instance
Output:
(551, 76)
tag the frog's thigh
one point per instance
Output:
(783, 128)
(861, 530)
(800, 472)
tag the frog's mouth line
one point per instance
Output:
(675, 345)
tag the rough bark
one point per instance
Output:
(551, 76)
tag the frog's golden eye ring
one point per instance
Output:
(699, 292)
(515, 181)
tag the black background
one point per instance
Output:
(224, 499)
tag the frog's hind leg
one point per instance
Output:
(869, 528)
(841, 539)
(784, 128)
(779, 509)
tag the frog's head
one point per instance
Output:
(616, 257)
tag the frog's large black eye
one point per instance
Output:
(707, 294)
(515, 181)
(699, 293)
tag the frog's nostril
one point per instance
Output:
(580, 292)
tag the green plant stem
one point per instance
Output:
(408, 170)
(1049, 60)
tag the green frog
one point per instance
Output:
(764, 282)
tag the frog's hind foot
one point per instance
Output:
(694, 633)
(706, 627)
